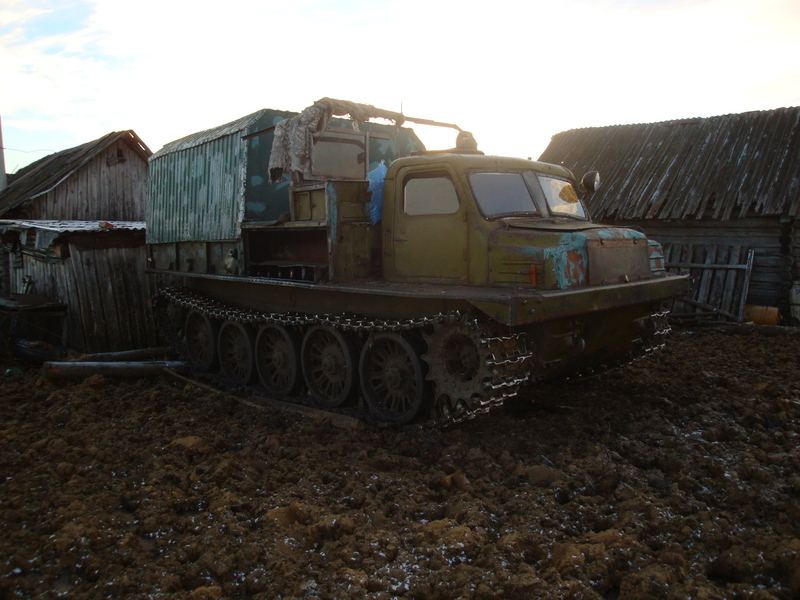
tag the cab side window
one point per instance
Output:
(430, 195)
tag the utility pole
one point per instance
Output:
(3, 178)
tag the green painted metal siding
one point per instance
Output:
(194, 194)
(198, 184)
(203, 186)
(263, 201)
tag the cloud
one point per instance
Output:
(514, 72)
(18, 11)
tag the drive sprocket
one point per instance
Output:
(458, 360)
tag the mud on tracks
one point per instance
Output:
(675, 477)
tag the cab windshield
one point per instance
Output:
(524, 193)
(562, 200)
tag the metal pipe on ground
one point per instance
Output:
(58, 370)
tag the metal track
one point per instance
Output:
(503, 383)
(507, 361)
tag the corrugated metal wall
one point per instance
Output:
(203, 186)
(197, 194)
(107, 292)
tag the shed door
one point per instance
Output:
(430, 233)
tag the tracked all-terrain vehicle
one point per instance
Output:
(338, 257)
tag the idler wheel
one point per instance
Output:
(236, 352)
(329, 366)
(278, 360)
(201, 340)
(391, 378)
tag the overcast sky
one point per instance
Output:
(513, 72)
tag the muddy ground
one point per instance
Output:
(675, 477)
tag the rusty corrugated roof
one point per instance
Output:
(48, 232)
(45, 174)
(72, 226)
(722, 167)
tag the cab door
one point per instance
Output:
(429, 236)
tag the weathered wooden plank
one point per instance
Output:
(102, 312)
(705, 275)
(717, 274)
(746, 284)
(131, 316)
(730, 280)
(717, 277)
(81, 313)
(109, 298)
(706, 266)
(687, 252)
(711, 309)
(121, 333)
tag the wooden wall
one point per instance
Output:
(772, 268)
(104, 189)
(795, 254)
(104, 284)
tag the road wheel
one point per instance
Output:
(236, 352)
(329, 366)
(201, 335)
(391, 378)
(278, 360)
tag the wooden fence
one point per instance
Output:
(720, 276)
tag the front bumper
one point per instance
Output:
(538, 307)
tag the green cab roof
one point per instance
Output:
(476, 161)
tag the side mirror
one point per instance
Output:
(591, 181)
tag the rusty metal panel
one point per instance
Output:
(58, 227)
(192, 257)
(163, 257)
(352, 202)
(309, 203)
(354, 240)
(223, 258)
(617, 260)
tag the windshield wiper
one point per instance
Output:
(513, 214)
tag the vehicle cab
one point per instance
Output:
(470, 219)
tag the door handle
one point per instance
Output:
(399, 239)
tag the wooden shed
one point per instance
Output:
(92, 273)
(73, 243)
(722, 194)
(101, 180)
